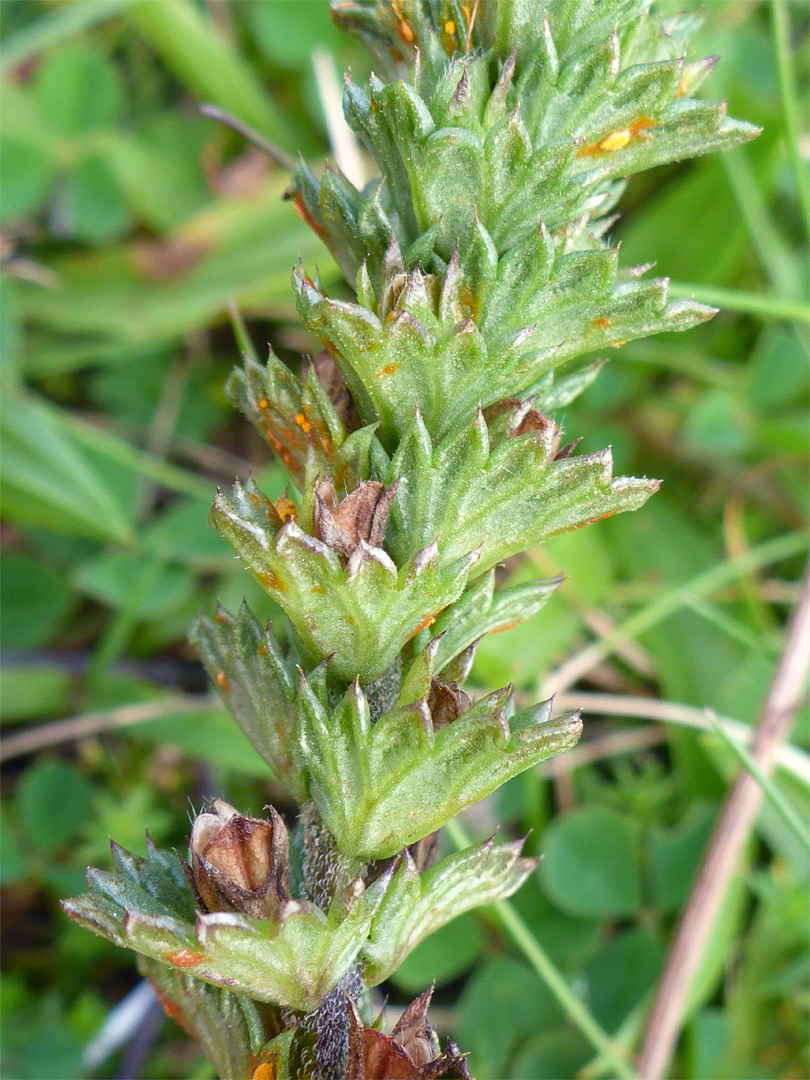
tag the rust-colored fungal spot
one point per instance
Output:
(266, 1071)
(184, 958)
(223, 682)
(602, 322)
(617, 140)
(303, 423)
(429, 621)
(272, 582)
(388, 369)
(170, 1007)
(285, 509)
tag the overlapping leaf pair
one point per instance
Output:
(379, 787)
(296, 953)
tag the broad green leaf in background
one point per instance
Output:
(95, 208)
(53, 802)
(110, 578)
(78, 89)
(25, 179)
(448, 954)
(675, 854)
(502, 1005)
(35, 602)
(591, 864)
(551, 1055)
(621, 974)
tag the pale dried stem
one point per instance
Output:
(788, 757)
(722, 854)
(81, 727)
(345, 146)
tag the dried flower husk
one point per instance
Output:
(239, 863)
(361, 516)
(410, 1052)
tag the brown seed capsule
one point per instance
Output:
(239, 863)
(446, 703)
(362, 515)
(410, 1052)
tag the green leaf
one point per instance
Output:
(413, 906)
(286, 38)
(227, 1026)
(78, 89)
(502, 1005)
(675, 854)
(47, 481)
(552, 1055)
(35, 602)
(109, 579)
(95, 206)
(294, 959)
(27, 176)
(207, 64)
(441, 958)
(30, 692)
(621, 974)
(13, 863)
(53, 801)
(591, 866)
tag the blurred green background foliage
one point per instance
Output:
(129, 224)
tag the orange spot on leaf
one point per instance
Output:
(388, 369)
(272, 582)
(617, 140)
(223, 682)
(184, 958)
(303, 423)
(429, 621)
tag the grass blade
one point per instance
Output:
(747, 303)
(188, 45)
(544, 967)
(769, 788)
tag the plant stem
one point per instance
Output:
(81, 727)
(788, 757)
(769, 788)
(548, 972)
(728, 838)
(783, 547)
